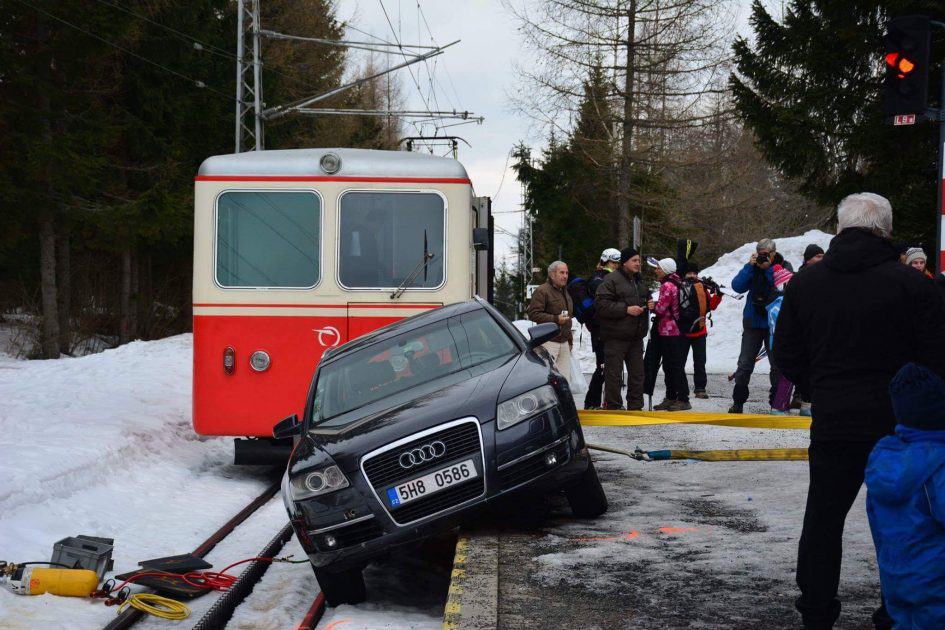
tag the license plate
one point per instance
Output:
(431, 483)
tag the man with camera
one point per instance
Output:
(757, 279)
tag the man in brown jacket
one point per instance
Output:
(551, 303)
(620, 305)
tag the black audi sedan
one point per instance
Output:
(410, 430)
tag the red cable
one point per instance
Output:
(209, 580)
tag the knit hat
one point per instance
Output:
(610, 255)
(668, 265)
(914, 253)
(812, 250)
(627, 253)
(781, 276)
(918, 397)
(692, 267)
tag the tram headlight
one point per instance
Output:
(317, 482)
(330, 163)
(260, 360)
(524, 406)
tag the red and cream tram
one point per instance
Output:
(299, 251)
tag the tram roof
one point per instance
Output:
(354, 163)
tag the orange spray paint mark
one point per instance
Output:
(335, 623)
(678, 530)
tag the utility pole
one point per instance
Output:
(251, 111)
(249, 103)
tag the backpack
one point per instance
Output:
(693, 306)
(583, 302)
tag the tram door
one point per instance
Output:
(483, 230)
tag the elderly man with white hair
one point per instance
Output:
(846, 326)
(551, 303)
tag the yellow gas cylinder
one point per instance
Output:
(67, 582)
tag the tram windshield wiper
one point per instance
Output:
(427, 257)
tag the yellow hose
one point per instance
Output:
(162, 607)
(607, 418)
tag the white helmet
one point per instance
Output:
(610, 255)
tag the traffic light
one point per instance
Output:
(907, 66)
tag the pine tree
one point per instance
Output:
(811, 90)
(571, 192)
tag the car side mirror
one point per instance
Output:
(287, 427)
(481, 239)
(541, 333)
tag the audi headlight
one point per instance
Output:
(525, 406)
(317, 482)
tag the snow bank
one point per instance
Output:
(103, 445)
(725, 336)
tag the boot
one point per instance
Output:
(664, 406)
(736, 408)
(700, 393)
(679, 405)
(796, 401)
(805, 409)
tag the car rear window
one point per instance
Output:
(404, 362)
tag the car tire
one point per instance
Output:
(587, 498)
(341, 587)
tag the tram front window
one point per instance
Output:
(268, 239)
(384, 237)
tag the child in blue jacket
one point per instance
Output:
(905, 478)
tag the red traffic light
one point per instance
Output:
(899, 62)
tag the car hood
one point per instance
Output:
(468, 393)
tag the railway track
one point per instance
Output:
(222, 610)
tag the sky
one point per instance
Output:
(476, 75)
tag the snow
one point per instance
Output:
(103, 445)
(724, 341)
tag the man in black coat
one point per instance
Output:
(620, 305)
(846, 327)
(609, 261)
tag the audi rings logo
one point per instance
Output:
(422, 454)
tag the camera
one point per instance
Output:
(761, 258)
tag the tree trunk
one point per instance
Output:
(47, 274)
(134, 302)
(64, 289)
(626, 146)
(125, 318)
(145, 297)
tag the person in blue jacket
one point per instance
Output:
(905, 501)
(757, 279)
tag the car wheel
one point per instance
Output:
(587, 498)
(341, 587)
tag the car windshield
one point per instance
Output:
(414, 358)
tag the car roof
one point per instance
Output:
(404, 325)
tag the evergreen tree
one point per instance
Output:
(811, 90)
(571, 192)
